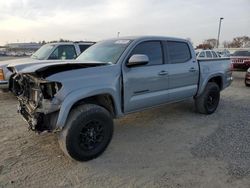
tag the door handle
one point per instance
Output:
(163, 73)
(192, 69)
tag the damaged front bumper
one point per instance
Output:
(39, 120)
(38, 104)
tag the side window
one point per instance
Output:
(208, 54)
(64, 52)
(214, 54)
(83, 47)
(178, 52)
(152, 49)
(202, 54)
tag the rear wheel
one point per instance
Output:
(208, 101)
(88, 132)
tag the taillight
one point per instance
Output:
(1, 74)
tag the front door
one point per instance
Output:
(146, 85)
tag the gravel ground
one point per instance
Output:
(230, 141)
(170, 146)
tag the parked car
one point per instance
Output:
(204, 54)
(50, 51)
(113, 78)
(247, 78)
(222, 52)
(241, 59)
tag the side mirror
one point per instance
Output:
(137, 59)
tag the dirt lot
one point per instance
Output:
(170, 146)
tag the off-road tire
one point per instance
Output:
(208, 101)
(70, 139)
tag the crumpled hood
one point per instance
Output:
(32, 66)
(51, 67)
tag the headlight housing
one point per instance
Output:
(49, 89)
(248, 70)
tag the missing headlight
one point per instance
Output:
(50, 89)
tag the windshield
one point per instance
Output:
(43, 52)
(241, 53)
(106, 51)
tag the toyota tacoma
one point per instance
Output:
(78, 100)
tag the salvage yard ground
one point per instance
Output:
(170, 146)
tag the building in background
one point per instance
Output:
(19, 49)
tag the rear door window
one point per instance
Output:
(178, 52)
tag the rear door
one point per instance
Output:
(146, 85)
(183, 70)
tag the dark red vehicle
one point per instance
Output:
(247, 78)
(241, 59)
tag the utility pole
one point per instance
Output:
(218, 38)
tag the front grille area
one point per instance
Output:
(237, 60)
(35, 121)
(28, 90)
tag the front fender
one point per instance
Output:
(80, 94)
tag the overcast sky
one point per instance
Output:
(34, 20)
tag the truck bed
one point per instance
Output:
(214, 67)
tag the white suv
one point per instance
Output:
(207, 54)
(51, 51)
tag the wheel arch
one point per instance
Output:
(106, 99)
(216, 78)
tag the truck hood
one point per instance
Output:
(16, 61)
(23, 62)
(46, 68)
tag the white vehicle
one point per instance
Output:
(49, 52)
(222, 52)
(207, 54)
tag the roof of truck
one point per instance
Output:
(66, 43)
(151, 37)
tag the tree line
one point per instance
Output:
(237, 42)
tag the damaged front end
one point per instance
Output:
(37, 102)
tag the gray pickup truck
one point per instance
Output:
(79, 99)
(51, 51)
